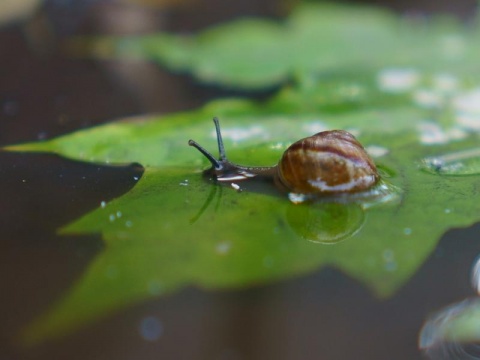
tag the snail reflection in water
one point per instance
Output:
(325, 222)
(327, 163)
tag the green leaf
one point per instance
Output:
(316, 38)
(159, 240)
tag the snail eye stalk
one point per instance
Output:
(217, 164)
(221, 148)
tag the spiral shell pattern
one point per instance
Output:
(328, 162)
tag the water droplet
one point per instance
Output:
(398, 80)
(447, 211)
(103, 204)
(468, 121)
(388, 255)
(314, 127)
(238, 134)
(391, 265)
(235, 186)
(427, 98)
(151, 329)
(431, 133)
(389, 258)
(128, 223)
(445, 83)
(297, 198)
(136, 178)
(407, 231)
(223, 247)
(376, 151)
(466, 162)
(468, 102)
(111, 217)
(119, 214)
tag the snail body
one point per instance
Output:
(328, 162)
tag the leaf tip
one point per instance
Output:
(26, 147)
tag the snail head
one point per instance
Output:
(221, 168)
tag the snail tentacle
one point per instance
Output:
(221, 148)
(215, 163)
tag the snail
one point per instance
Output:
(329, 162)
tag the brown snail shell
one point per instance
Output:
(328, 162)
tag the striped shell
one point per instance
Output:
(328, 162)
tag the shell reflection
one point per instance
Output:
(325, 223)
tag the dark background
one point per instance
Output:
(44, 93)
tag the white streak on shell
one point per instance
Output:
(363, 181)
(350, 167)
